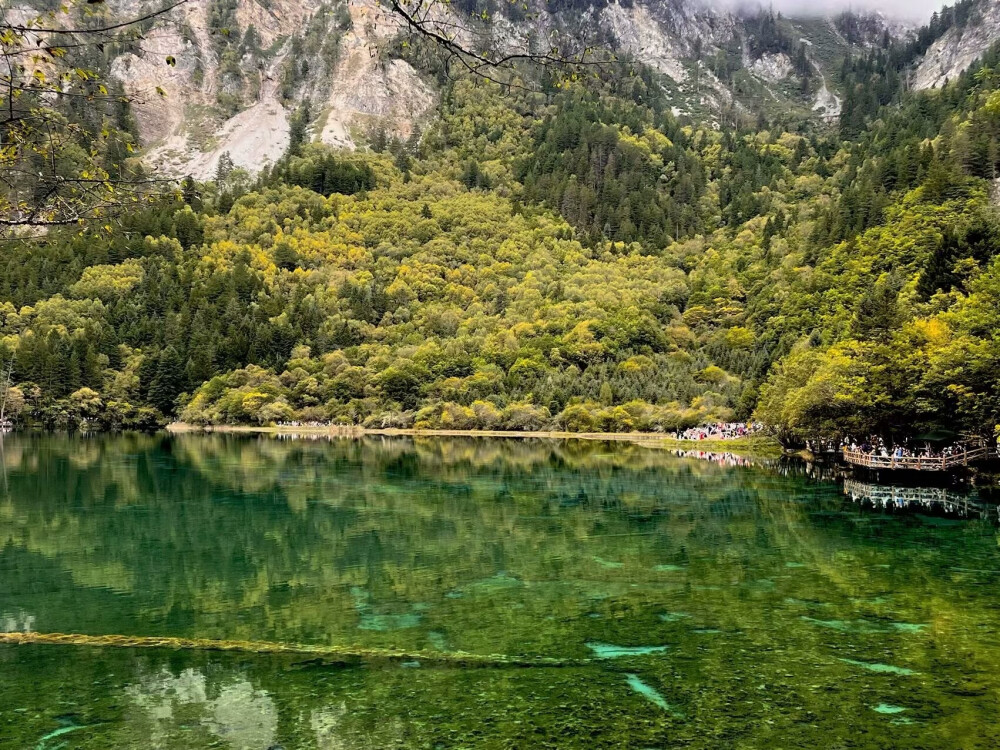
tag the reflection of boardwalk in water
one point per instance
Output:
(927, 499)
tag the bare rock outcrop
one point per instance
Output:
(958, 48)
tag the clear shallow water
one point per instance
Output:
(719, 606)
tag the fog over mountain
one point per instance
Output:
(910, 10)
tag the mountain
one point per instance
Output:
(653, 246)
(973, 27)
(244, 67)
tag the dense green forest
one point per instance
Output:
(566, 256)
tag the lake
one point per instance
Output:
(655, 601)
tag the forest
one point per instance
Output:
(569, 255)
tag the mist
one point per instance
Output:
(916, 11)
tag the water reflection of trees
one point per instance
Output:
(485, 545)
(197, 525)
(189, 527)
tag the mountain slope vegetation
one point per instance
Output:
(568, 255)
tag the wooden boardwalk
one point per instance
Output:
(962, 457)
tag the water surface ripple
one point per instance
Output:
(703, 605)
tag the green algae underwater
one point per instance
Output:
(698, 605)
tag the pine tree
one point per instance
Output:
(224, 167)
(607, 395)
(299, 127)
(168, 382)
(190, 193)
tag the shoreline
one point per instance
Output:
(759, 443)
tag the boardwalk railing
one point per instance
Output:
(963, 457)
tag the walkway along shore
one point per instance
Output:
(953, 460)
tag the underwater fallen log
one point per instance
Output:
(452, 658)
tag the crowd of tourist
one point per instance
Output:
(876, 446)
(821, 445)
(718, 431)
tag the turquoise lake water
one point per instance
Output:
(698, 605)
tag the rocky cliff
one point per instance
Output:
(242, 68)
(960, 46)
